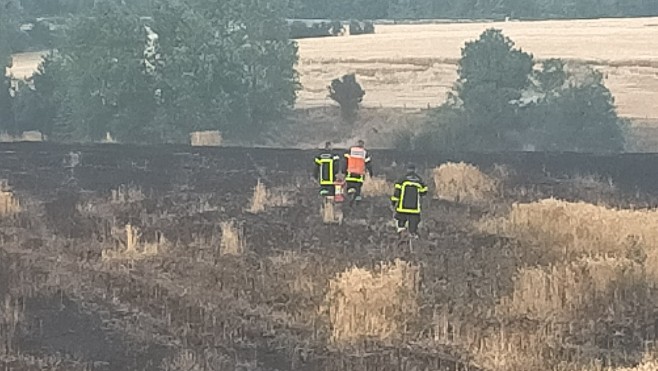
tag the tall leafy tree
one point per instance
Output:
(9, 11)
(102, 60)
(347, 92)
(492, 77)
(37, 103)
(576, 112)
(226, 66)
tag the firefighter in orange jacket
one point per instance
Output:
(406, 200)
(358, 162)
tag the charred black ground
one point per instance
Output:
(242, 310)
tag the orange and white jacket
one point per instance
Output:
(358, 162)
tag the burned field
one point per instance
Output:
(172, 258)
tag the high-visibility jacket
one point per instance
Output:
(358, 162)
(327, 165)
(408, 192)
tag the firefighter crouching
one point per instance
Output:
(327, 166)
(358, 162)
(406, 200)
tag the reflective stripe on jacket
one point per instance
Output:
(408, 193)
(327, 166)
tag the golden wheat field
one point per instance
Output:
(415, 65)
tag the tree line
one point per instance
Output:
(195, 65)
(395, 9)
(230, 66)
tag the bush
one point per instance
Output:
(361, 28)
(347, 92)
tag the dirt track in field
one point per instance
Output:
(256, 308)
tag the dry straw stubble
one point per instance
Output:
(580, 228)
(372, 304)
(595, 255)
(9, 204)
(461, 182)
(232, 242)
(649, 363)
(557, 291)
(134, 247)
(127, 194)
(331, 214)
(262, 198)
(376, 187)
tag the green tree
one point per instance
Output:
(492, 77)
(226, 66)
(103, 81)
(347, 92)
(38, 102)
(575, 113)
(551, 77)
(8, 27)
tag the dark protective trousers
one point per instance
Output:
(354, 185)
(413, 220)
(327, 190)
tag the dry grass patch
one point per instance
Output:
(263, 198)
(28, 136)
(210, 138)
(9, 204)
(556, 292)
(232, 242)
(372, 304)
(649, 364)
(132, 246)
(259, 198)
(580, 228)
(376, 186)
(601, 267)
(464, 182)
(559, 308)
(330, 213)
(126, 194)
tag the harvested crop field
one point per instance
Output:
(414, 66)
(185, 258)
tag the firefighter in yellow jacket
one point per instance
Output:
(357, 163)
(327, 166)
(406, 200)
